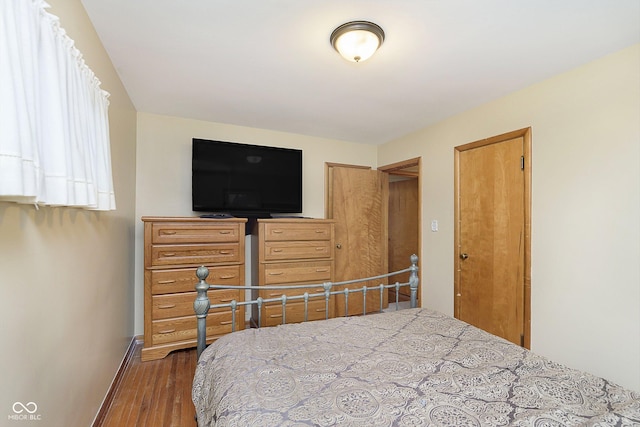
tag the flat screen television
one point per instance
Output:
(245, 180)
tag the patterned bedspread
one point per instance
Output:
(413, 367)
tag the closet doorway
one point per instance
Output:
(404, 230)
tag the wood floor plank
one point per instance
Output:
(155, 393)
(183, 406)
(148, 388)
(120, 410)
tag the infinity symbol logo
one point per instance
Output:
(30, 407)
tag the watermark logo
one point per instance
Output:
(20, 407)
(24, 412)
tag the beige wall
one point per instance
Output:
(164, 170)
(586, 209)
(66, 275)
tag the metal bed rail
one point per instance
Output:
(202, 304)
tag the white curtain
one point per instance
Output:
(54, 125)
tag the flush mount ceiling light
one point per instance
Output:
(357, 40)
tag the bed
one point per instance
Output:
(410, 367)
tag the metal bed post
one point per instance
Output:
(284, 309)
(414, 280)
(346, 302)
(364, 300)
(201, 306)
(327, 294)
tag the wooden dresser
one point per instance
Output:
(292, 251)
(173, 249)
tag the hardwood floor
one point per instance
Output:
(155, 393)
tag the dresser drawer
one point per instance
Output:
(296, 272)
(272, 313)
(297, 231)
(175, 232)
(277, 251)
(194, 254)
(178, 305)
(184, 279)
(184, 328)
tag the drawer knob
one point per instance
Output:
(166, 282)
(168, 232)
(225, 232)
(169, 254)
(321, 270)
(163, 307)
(224, 252)
(167, 331)
(276, 273)
(277, 231)
(227, 276)
(277, 250)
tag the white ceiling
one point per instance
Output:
(269, 64)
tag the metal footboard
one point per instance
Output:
(202, 304)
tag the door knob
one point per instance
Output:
(464, 256)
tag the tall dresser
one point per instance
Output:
(173, 249)
(293, 251)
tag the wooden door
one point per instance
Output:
(491, 234)
(357, 200)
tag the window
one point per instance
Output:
(54, 125)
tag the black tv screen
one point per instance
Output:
(243, 179)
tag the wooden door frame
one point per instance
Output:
(525, 133)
